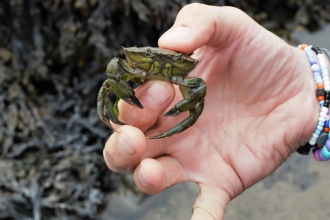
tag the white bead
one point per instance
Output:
(326, 78)
(324, 109)
(325, 72)
(315, 67)
(327, 88)
(312, 142)
(310, 54)
(323, 115)
(324, 67)
(326, 83)
(317, 78)
(308, 48)
(321, 119)
(313, 138)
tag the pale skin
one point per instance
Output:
(259, 108)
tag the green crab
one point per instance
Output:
(149, 63)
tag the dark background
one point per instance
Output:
(53, 55)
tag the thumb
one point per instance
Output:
(210, 204)
(197, 25)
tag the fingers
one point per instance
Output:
(154, 175)
(210, 204)
(123, 153)
(124, 149)
(197, 25)
(155, 96)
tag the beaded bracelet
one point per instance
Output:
(320, 139)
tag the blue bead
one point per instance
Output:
(327, 144)
(320, 123)
(312, 62)
(317, 131)
(321, 156)
(326, 124)
(319, 128)
(325, 152)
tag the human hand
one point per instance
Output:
(259, 108)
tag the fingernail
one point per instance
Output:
(125, 144)
(143, 178)
(177, 33)
(157, 94)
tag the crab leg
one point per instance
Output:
(193, 91)
(105, 108)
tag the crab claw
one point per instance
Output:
(104, 107)
(185, 124)
(193, 91)
(133, 101)
(173, 112)
(123, 91)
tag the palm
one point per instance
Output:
(257, 111)
(232, 140)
